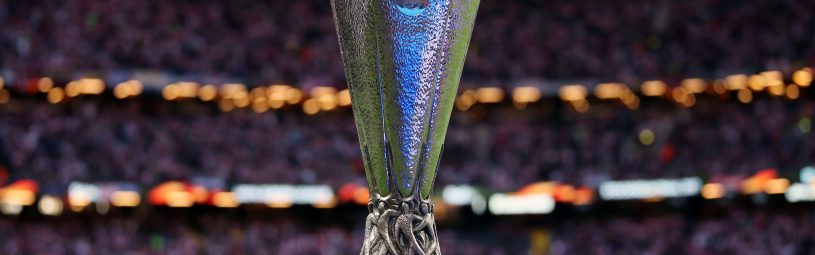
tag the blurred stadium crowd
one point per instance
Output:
(295, 42)
(737, 232)
(500, 147)
(148, 140)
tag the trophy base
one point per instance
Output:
(400, 228)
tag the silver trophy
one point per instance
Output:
(403, 61)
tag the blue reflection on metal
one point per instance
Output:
(410, 11)
(416, 49)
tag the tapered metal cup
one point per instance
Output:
(403, 61)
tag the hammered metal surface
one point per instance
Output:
(403, 61)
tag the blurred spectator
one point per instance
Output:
(264, 42)
(152, 141)
(737, 231)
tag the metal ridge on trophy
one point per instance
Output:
(403, 61)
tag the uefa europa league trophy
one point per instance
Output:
(403, 60)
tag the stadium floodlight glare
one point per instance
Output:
(713, 191)
(792, 92)
(647, 189)
(609, 90)
(489, 95)
(527, 94)
(508, 204)
(694, 85)
(801, 77)
(571, 93)
(653, 88)
(403, 61)
(736, 81)
(50, 205)
(122, 198)
(45, 84)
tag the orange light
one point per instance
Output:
(21, 193)
(278, 95)
(736, 81)
(751, 186)
(168, 92)
(45, 84)
(240, 99)
(630, 100)
(276, 104)
(719, 86)
(694, 85)
(776, 186)
(679, 94)
(583, 196)
(466, 100)
(757, 82)
(320, 91)
(179, 199)
(690, 101)
(230, 89)
(294, 96)
(79, 200)
(745, 96)
(225, 105)
(136, 87)
(125, 198)
(90, 86)
(361, 196)
(571, 93)
(776, 90)
(311, 106)
(713, 191)
(258, 97)
(653, 88)
(260, 106)
(487, 95)
(344, 97)
(4, 96)
(279, 201)
(803, 77)
(127, 89)
(18, 197)
(792, 92)
(258, 93)
(199, 193)
(564, 193)
(120, 91)
(225, 200)
(207, 93)
(538, 188)
(185, 89)
(609, 90)
(72, 89)
(327, 101)
(773, 78)
(581, 106)
(527, 94)
(56, 95)
(331, 203)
